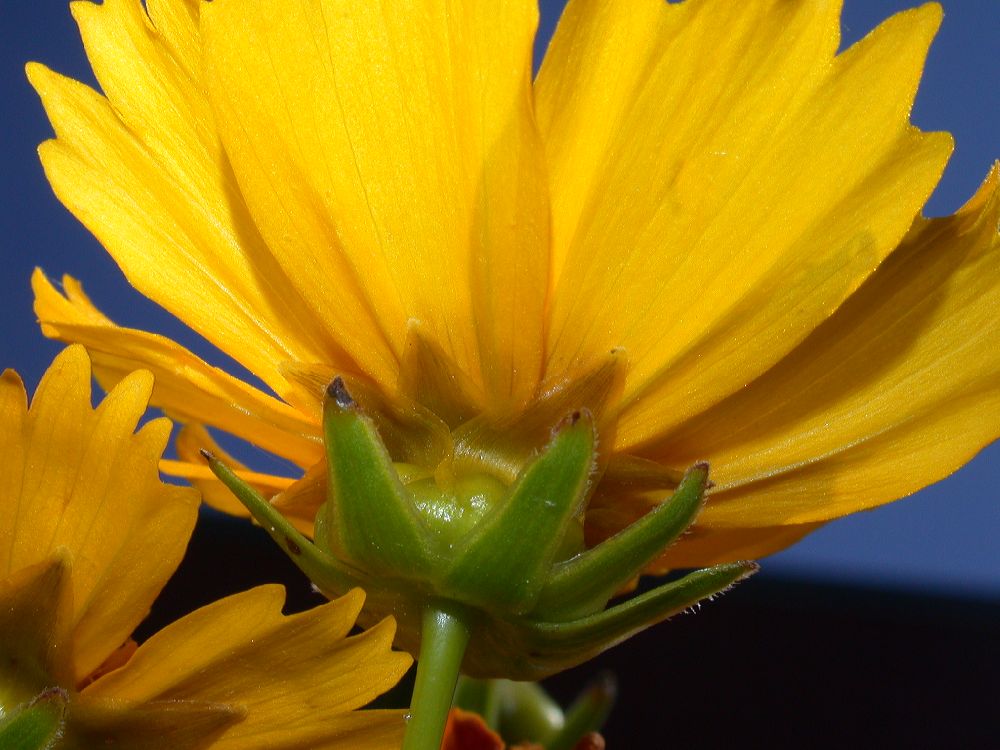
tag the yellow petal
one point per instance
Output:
(388, 154)
(896, 391)
(430, 378)
(79, 479)
(176, 21)
(297, 677)
(13, 414)
(721, 183)
(35, 609)
(701, 545)
(145, 172)
(185, 387)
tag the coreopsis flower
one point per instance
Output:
(90, 536)
(696, 234)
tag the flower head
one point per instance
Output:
(696, 234)
(699, 222)
(91, 537)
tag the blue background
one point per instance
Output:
(941, 539)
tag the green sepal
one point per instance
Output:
(36, 726)
(370, 519)
(536, 649)
(328, 574)
(583, 584)
(590, 635)
(503, 565)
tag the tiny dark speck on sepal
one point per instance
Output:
(568, 421)
(294, 548)
(338, 392)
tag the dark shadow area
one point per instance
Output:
(226, 556)
(778, 662)
(788, 663)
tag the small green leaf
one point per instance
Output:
(584, 584)
(37, 726)
(528, 649)
(581, 639)
(504, 563)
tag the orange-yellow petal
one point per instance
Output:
(195, 438)
(82, 479)
(191, 441)
(898, 389)
(388, 154)
(704, 545)
(185, 386)
(143, 169)
(298, 678)
(721, 183)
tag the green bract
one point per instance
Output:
(37, 725)
(507, 560)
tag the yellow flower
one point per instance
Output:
(90, 537)
(698, 221)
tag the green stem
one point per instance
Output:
(443, 638)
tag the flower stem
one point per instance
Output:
(444, 636)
